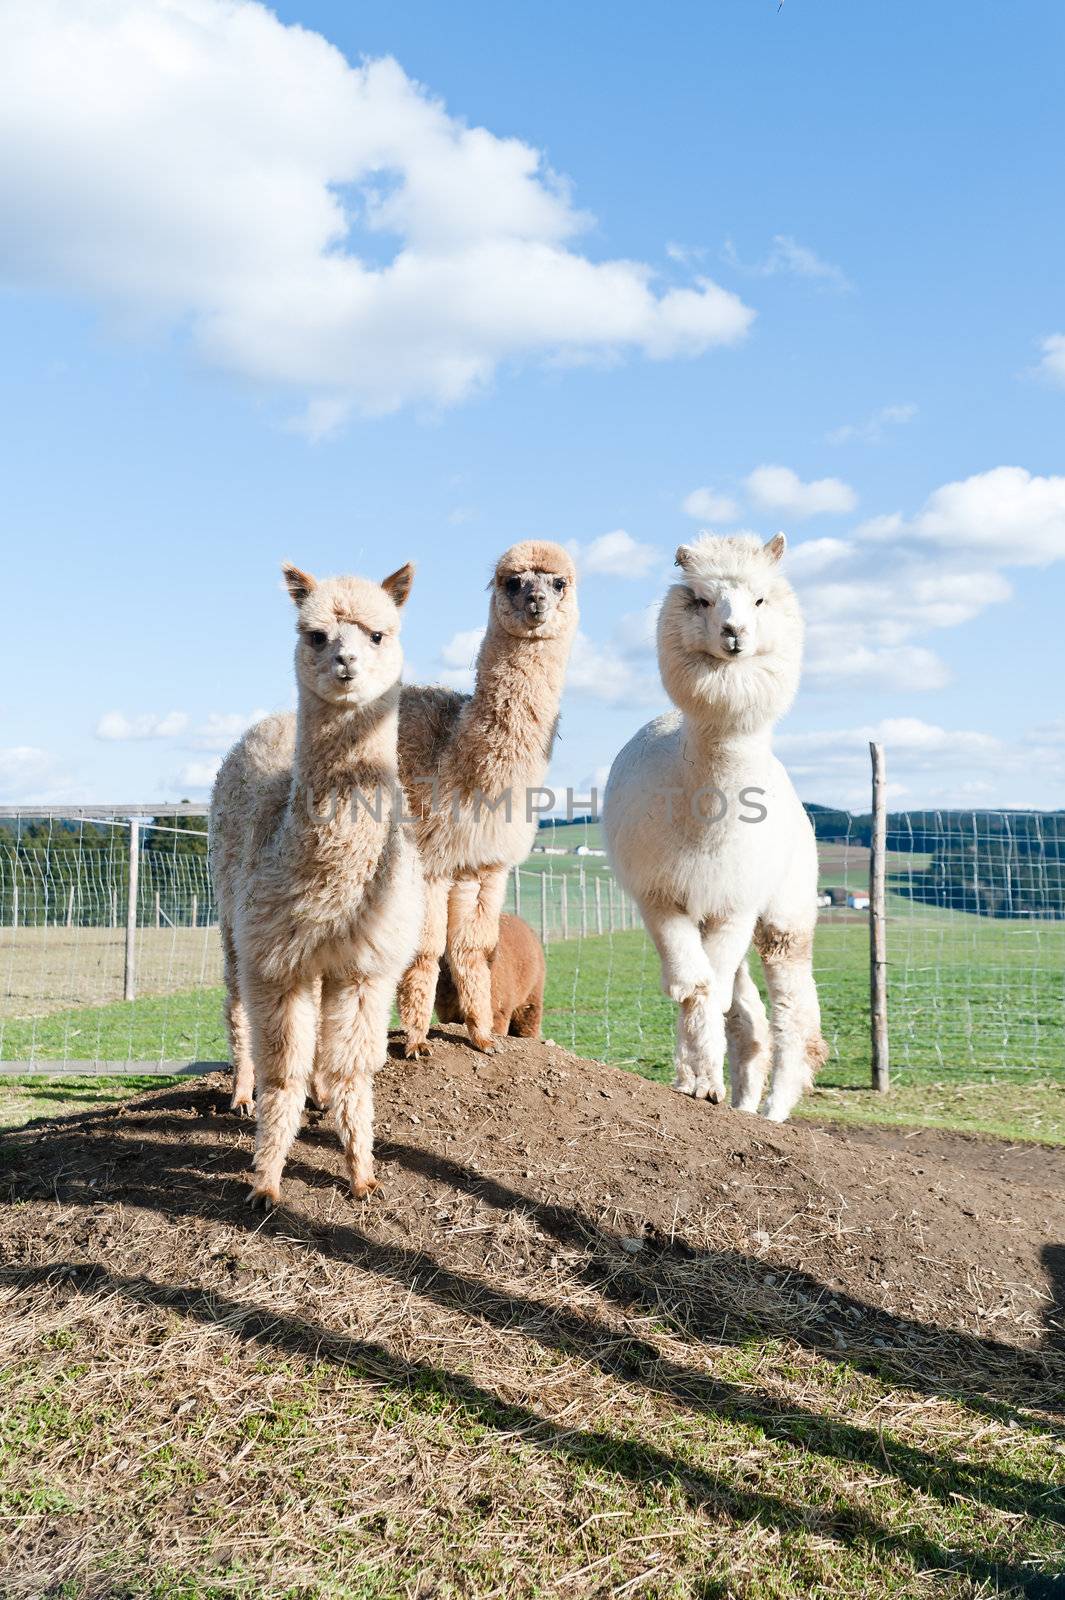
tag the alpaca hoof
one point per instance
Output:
(687, 989)
(363, 1190)
(417, 1050)
(242, 1107)
(263, 1197)
(484, 1042)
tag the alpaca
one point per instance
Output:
(517, 969)
(469, 767)
(709, 837)
(318, 884)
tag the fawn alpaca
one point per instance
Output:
(469, 766)
(517, 969)
(319, 888)
(707, 875)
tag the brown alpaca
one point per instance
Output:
(517, 970)
(318, 884)
(470, 767)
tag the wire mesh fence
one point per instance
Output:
(975, 929)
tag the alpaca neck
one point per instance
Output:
(341, 751)
(516, 699)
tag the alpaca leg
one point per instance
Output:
(689, 978)
(798, 1048)
(747, 1032)
(237, 1027)
(284, 1026)
(528, 1019)
(472, 934)
(417, 989)
(353, 1044)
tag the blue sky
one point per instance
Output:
(825, 240)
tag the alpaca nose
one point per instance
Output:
(732, 635)
(535, 606)
(344, 665)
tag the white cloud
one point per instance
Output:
(709, 507)
(780, 489)
(617, 555)
(29, 774)
(815, 555)
(606, 673)
(458, 658)
(1052, 364)
(115, 725)
(787, 256)
(195, 777)
(871, 431)
(198, 165)
(1006, 515)
(217, 731)
(926, 765)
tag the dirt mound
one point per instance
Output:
(717, 1219)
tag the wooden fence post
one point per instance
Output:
(14, 905)
(158, 909)
(543, 908)
(194, 912)
(129, 988)
(878, 929)
(599, 905)
(70, 907)
(517, 891)
(565, 907)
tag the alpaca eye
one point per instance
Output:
(760, 602)
(317, 638)
(560, 585)
(375, 638)
(700, 601)
(513, 585)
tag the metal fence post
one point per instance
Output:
(130, 983)
(565, 908)
(599, 906)
(878, 929)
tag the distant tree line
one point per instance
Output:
(55, 871)
(994, 863)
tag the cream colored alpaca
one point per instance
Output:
(469, 766)
(318, 884)
(683, 817)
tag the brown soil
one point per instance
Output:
(852, 1242)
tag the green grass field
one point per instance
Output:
(977, 1030)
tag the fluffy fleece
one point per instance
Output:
(517, 970)
(708, 835)
(469, 765)
(320, 894)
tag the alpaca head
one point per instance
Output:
(348, 651)
(730, 633)
(534, 591)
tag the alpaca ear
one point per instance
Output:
(299, 584)
(397, 584)
(682, 557)
(776, 546)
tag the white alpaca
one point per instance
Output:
(709, 837)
